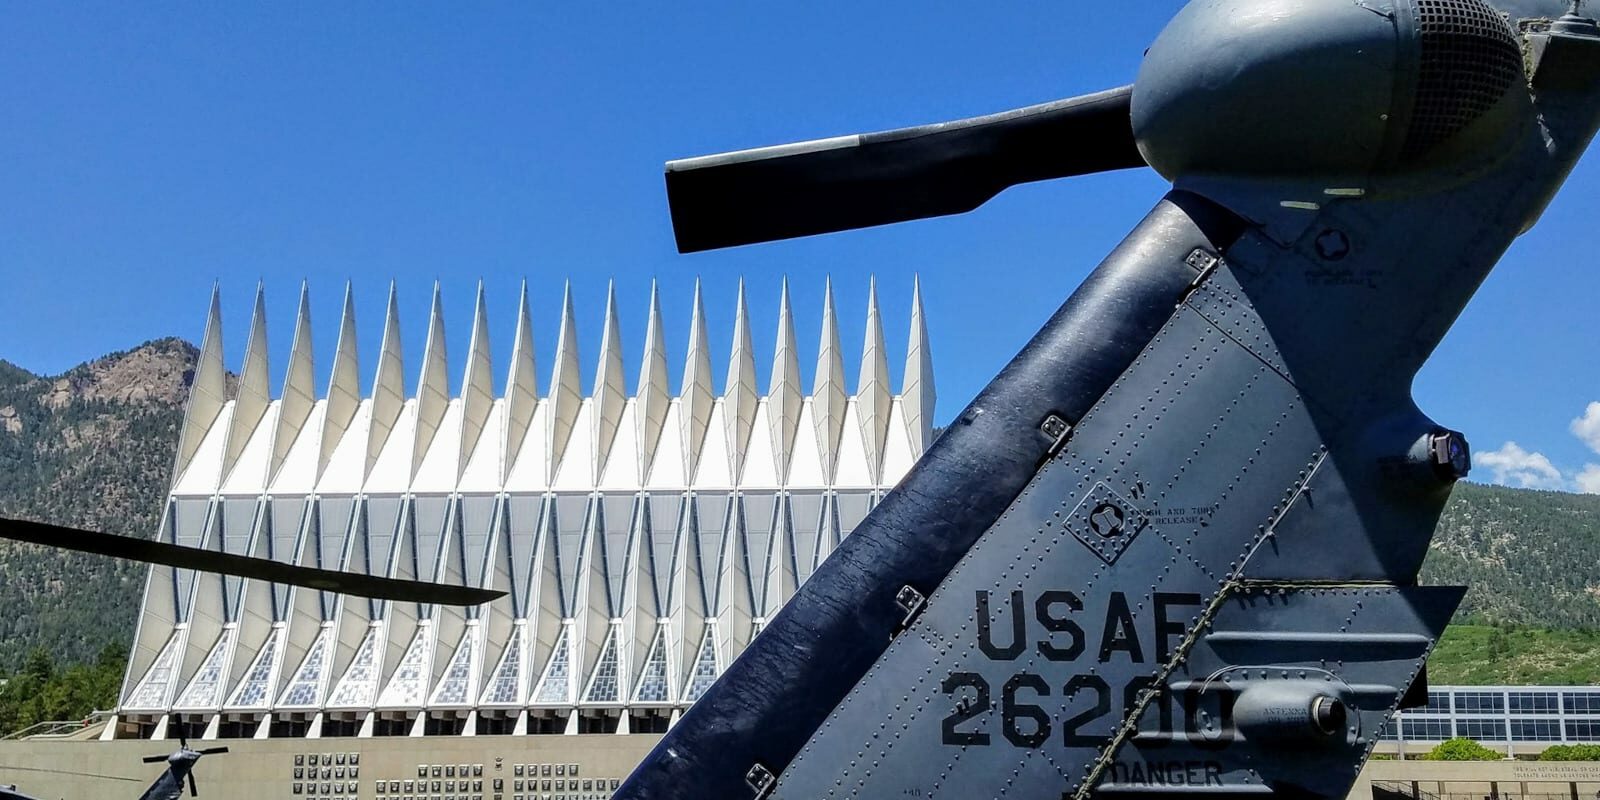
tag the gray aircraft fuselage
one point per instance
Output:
(1173, 547)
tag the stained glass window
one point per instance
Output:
(205, 688)
(307, 682)
(705, 667)
(151, 693)
(604, 685)
(255, 690)
(555, 686)
(456, 686)
(360, 681)
(406, 687)
(505, 688)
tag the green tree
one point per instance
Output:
(38, 666)
(1571, 752)
(1460, 749)
(45, 691)
(1497, 645)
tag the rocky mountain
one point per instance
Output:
(93, 447)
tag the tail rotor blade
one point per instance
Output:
(211, 751)
(194, 791)
(127, 547)
(154, 759)
(873, 179)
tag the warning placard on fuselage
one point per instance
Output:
(1106, 522)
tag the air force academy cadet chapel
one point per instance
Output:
(644, 536)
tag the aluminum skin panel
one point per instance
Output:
(1041, 620)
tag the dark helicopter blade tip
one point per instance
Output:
(763, 153)
(129, 548)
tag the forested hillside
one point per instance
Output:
(1530, 558)
(89, 448)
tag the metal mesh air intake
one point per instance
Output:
(1470, 58)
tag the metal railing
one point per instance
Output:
(1396, 790)
(58, 729)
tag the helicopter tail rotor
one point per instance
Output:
(194, 791)
(863, 180)
(181, 764)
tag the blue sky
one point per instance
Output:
(149, 153)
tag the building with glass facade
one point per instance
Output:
(1516, 718)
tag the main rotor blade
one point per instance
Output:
(77, 773)
(154, 759)
(871, 179)
(211, 751)
(194, 558)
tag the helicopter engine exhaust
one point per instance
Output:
(1328, 88)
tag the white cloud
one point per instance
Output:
(1587, 427)
(1588, 481)
(1514, 466)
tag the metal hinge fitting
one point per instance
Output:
(1205, 262)
(1056, 429)
(760, 779)
(912, 602)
